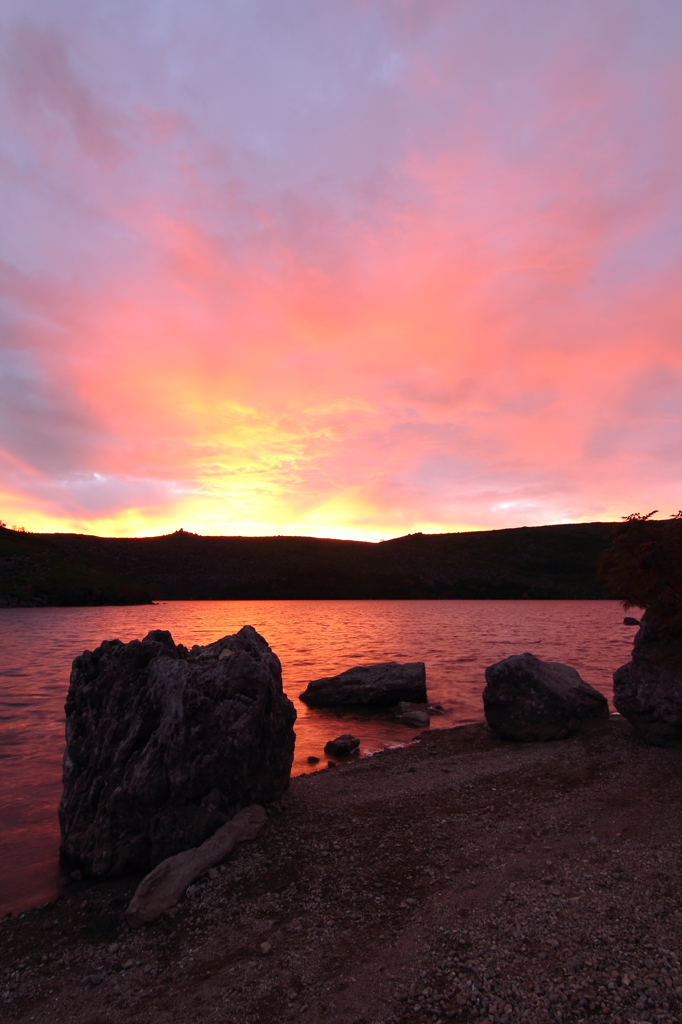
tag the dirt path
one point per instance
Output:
(458, 879)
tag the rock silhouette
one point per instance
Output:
(379, 686)
(529, 699)
(648, 690)
(164, 744)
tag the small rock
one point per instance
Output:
(331, 764)
(127, 965)
(212, 873)
(265, 948)
(312, 759)
(414, 715)
(342, 745)
(629, 621)
(95, 979)
(76, 876)
(113, 948)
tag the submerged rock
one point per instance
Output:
(163, 745)
(414, 715)
(379, 686)
(648, 690)
(345, 744)
(529, 699)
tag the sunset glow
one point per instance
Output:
(342, 268)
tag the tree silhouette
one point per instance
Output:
(643, 567)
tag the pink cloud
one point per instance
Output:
(380, 269)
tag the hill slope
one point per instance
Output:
(34, 571)
(533, 562)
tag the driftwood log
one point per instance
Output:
(163, 887)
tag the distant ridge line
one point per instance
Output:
(556, 561)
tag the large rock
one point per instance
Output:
(163, 745)
(648, 690)
(378, 686)
(528, 699)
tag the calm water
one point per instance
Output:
(456, 640)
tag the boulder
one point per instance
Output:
(529, 699)
(164, 744)
(414, 715)
(648, 690)
(378, 686)
(163, 887)
(345, 744)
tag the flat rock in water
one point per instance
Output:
(378, 686)
(529, 699)
(648, 690)
(165, 744)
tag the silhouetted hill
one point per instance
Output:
(35, 571)
(533, 562)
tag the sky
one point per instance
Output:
(343, 268)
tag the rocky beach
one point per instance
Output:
(461, 878)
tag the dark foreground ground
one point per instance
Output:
(458, 879)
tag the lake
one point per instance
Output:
(456, 640)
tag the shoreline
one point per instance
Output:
(460, 878)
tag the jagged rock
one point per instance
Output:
(648, 690)
(163, 887)
(163, 745)
(379, 686)
(414, 715)
(529, 699)
(345, 744)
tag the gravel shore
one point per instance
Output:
(458, 879)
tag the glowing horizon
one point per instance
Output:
(352, 270)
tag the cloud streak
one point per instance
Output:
(353, 269)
